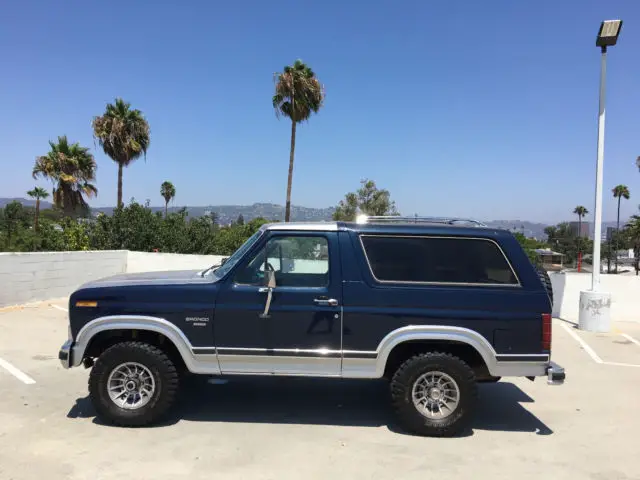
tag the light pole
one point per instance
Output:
(594, 314)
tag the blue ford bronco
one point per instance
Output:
(432, 305)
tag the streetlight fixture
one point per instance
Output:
(594, 312)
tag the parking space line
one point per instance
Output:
(630, 338)
(583, 344)
(618, 364)
(57, 307)
(23, 377)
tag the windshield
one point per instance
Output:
(237, 255)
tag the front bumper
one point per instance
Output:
(555, 374)
(65, 354)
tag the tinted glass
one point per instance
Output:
(438, 260)
(297, 262)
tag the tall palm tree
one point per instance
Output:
(71, 168)
(619, 192)
(298, 94)
(37, 193)
(123, 134)
(581, 212)
(168, 191)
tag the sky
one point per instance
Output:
(464, 108)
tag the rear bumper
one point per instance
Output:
(555, 374)
(65, 354)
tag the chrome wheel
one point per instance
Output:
(435, 395)
(131, 385)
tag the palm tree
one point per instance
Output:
(37, 193)
(168, 191)
(123, 134)
(581, 212)
(298, 94)
(71, 168)
(619, 192)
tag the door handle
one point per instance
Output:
(264, 289)
(329, 302)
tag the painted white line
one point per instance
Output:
(57, 307)
(583, 344)
(630, 338)
(621, 364)
(23, 377)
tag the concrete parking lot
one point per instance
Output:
(291, 428)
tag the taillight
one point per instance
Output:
(546, 331)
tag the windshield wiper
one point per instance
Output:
(214, 267)
(211, 268)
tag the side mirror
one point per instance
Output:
(270, 279)
(224, 260)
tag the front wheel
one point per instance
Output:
(133, 384)
(434, 394)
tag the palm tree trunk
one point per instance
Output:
(35, 221)
(618, 233)
(166, 205)
(119, 204)
(287, 209)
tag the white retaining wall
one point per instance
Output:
(155, 262)
(30, 277)
(624, 289)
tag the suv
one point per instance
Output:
(432, 305)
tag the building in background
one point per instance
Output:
(610, 233)
(550, 260)
(575, 229)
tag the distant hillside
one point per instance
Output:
(229, 213)
(27, 202)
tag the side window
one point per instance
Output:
(437, 260)
(298, 261)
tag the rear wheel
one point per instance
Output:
(434, 394)
(133, 384)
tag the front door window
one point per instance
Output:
(297, 262)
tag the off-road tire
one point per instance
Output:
(164, 374)
(546, 281)
(401, 394)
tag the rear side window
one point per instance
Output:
(437, 260)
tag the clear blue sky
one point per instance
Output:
(484, 109)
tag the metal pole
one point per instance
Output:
(597, 231)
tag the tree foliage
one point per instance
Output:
(168, 192)
(72, 169)
(368, 200)
(298, 94)
(133, 227)
(124, 135)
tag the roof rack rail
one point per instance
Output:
(417, 219)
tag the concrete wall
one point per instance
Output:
(29, 277)
(624, 289)
(154, 262)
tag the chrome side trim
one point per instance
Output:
(519, 369)
(359, 367)
(206, 363)
(312, 366)
(518, 284)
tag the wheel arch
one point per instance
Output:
(100, 332)
(407, 341)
